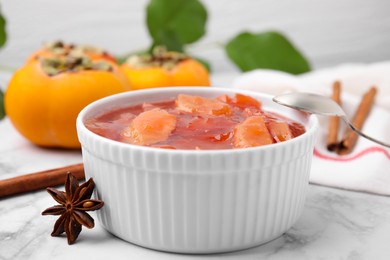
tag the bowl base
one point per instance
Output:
(196, 251)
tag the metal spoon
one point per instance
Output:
(317, 104)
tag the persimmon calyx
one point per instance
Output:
(54, 66)
(60, 48)
(160, 57)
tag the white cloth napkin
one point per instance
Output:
(367, 168)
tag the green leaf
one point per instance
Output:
(2, 110)
(169, 40)
(3, 34)
(269, 50)
(174, 23)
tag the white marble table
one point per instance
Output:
(335, 224)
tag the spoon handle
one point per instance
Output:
(356, 130)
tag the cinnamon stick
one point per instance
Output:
(39, 180)
(350, 137)
(334, 121)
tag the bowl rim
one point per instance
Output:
(311, 126)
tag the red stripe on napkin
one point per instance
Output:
(364, 152)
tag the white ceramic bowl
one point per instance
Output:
(191, 201)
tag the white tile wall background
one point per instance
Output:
(328, 32)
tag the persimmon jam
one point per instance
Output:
(196, 123)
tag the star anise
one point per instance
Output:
(75, 201)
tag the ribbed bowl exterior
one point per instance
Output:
(198, 201)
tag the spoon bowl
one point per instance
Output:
(310, 103)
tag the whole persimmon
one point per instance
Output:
(45, 96)
(164, 68)
(60, 49)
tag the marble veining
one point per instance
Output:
(335, 224)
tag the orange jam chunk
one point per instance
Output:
(280, 131)
(241, 101)
(252, 132)
(246, 101)
(150, 127)
(201, 105)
